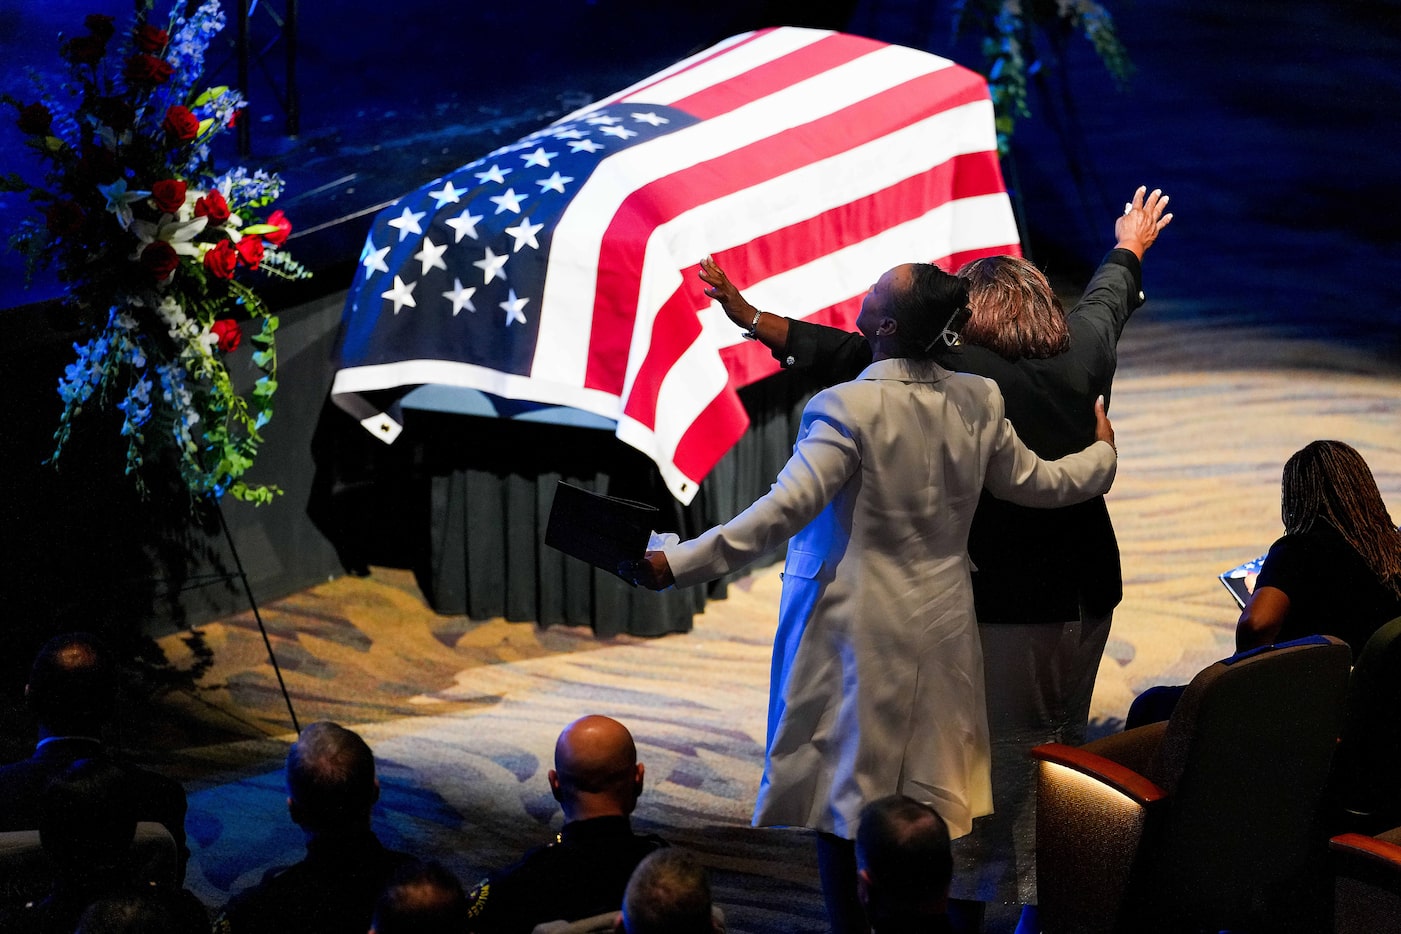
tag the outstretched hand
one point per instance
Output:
(723, 291)
(651, 571)
(1143, 219)
(1104, 430)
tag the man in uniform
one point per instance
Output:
(596, 780)
(331, 790)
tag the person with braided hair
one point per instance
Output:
(1337, 569)
(1335, 572)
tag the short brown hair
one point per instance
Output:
(1015, 311)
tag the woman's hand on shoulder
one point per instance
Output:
(1104, 429)
(1143, 219)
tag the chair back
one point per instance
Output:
(1365, 790)
(1245, 758)
(26, 874)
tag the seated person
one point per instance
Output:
(137, 914)
(331, 791)
(904, 865)
(72, 692)
(421, 898)
(669, 893)
(597, 781)
(1335, 572)
(87, 823)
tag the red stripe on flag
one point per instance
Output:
(956, 261)
(642, 211)
(711, 435)
(776, 75)
(675, 328)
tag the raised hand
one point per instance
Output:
(1143, 219)
(723, 291)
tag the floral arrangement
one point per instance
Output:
(1006, 28)
(154, 246)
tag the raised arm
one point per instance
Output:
(768, 329)
(835, 355)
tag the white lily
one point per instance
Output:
(176, 232)
(119, 200)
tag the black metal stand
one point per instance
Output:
(286, 25)
(248, 591)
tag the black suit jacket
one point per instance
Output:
(1033, 565)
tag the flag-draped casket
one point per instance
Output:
(561, 269)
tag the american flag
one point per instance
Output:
(561, 269)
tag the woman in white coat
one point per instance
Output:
(877, 680)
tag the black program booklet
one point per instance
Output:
(603, 530)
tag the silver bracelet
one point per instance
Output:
(753, 333)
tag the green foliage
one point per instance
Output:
(1009, 30)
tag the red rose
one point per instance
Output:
(146, 71)
(35, 119)
(221, 260)
(63, 218)
(214, 207)
(181, 123)
(160, 260)
(84, 50)
(250, 251)
(283, 231)
(100, 25)
(233, 118)
(226, 329)
(169, 195)
(150, 38)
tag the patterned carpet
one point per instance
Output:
(463, 715)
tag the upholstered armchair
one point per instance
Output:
(1364, 793)
(1207, 821)
(1367, 883)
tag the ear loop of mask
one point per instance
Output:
(950, 333)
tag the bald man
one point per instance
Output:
(597, 781)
